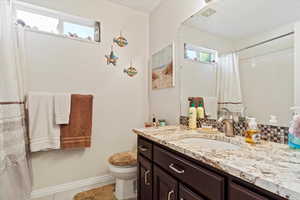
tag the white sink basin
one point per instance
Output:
(203, 143)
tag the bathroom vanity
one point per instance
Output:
(177, 164)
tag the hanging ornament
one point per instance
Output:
(131, 71)
(111, 58)
(121, 41)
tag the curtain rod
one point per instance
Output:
(266, 41)
(10, 103)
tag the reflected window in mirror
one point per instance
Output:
(200, 54)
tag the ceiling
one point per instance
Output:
(141, 5)
(240, 18)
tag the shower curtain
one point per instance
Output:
(229, 85)
(15, 179)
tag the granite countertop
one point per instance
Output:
(271, 166)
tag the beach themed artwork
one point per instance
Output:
(163, 68)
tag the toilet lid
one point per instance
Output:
(123, 159)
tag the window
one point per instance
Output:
(80, 30)
(200, 54)
(50, 21)
(36, 21)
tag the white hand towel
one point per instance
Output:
(44, 133)
(211, 107)
(62, 104)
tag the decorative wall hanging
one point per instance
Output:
(121, 41)
(131, 71)
(163, 68)
(111, 58)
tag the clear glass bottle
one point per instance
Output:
(252, 134)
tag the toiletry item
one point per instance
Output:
(252, 134)
(154, 124)
(294, 133)
(273, 120)
(162, 122)
(293, 142)
(200, 111)
(192, 117)
(148, 124)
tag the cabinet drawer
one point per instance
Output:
(186, 194)
(145, 148)
(240, 192)
(205, 182)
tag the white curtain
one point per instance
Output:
(229, 85)
(15, 179)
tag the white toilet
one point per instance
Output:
(123, 166)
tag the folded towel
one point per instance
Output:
(44, 134)
(62, 104)
(77, 134)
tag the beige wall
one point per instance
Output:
(164, 23)
(62, 65)
(196, 78)
(297, 64)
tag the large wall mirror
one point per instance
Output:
(240, 55)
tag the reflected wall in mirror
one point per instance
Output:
(240, 55)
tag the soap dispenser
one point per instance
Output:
(192, 117)
(252, 133)
(294, 132)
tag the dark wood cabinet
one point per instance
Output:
(165, 187)
(187, 194)
(239, 192)
(145, 179)
(204, 181)
(145, 148)
(165, 174)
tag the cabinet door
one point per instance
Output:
(145, 182)
(186, 194)
(239, 192)
(165, 187)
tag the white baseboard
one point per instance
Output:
(101, 180)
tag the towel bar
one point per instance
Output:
(9, 103)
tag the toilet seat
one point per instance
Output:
(124, 159)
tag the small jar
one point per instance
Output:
(162, 122)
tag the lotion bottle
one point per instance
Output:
(200, 112)
(192, 117)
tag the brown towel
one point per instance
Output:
(77, 134)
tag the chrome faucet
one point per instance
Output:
(228, 123)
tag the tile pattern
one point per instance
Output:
(276, 134)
